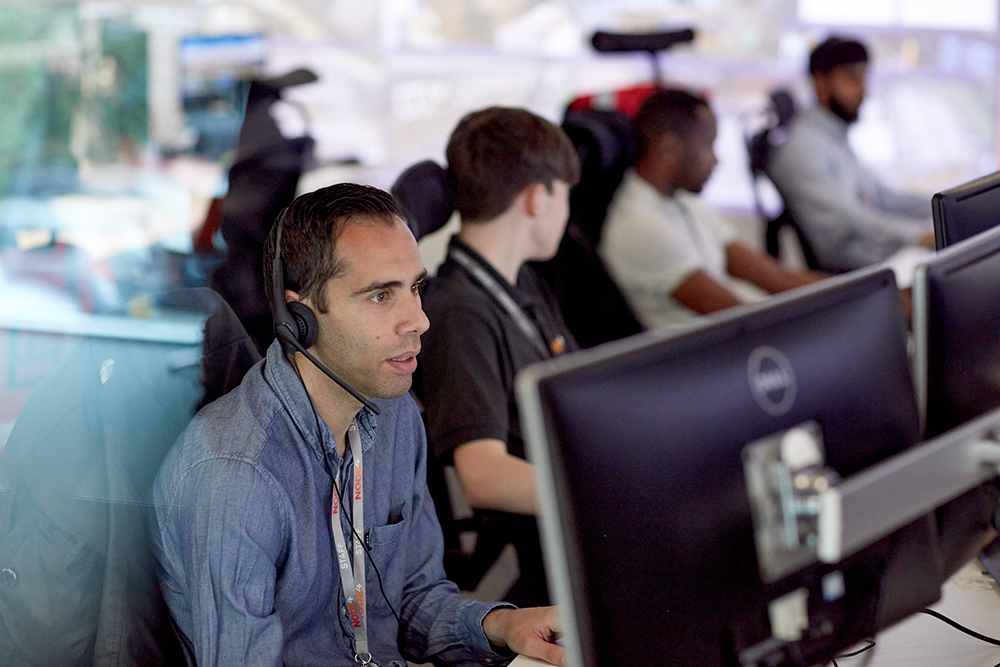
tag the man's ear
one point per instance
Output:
(670, 150)
(533, 198)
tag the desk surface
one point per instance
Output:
(970, 598)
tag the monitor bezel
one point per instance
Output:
(953, 258)
(942, 201)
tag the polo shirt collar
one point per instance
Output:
(519, 297)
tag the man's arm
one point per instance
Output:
(529, 632)
(494, 479)
(821, 194)
(437, 622)
(217, 540)
(902, 203)
(764, 271)
(703, 294)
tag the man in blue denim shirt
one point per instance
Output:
(244, 537)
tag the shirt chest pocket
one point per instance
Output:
(393, 531)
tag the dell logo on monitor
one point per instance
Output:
(772, 380)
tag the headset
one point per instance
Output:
(295, 324)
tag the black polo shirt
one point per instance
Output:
(473, 350)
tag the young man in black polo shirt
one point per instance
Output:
(491, 315)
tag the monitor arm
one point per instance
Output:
(871, 504)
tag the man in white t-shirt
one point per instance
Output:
(672, 256)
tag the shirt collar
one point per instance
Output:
(291, 393)
(829, 122)
(522, 300)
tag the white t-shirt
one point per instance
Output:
(651, 244)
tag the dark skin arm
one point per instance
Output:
(764, 271)
(703, 294)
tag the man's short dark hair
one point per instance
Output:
(834, 52)
(668, 110)
(310, 227)
(494, 154)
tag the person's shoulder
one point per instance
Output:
(453, 302)
(231, 427)
(638, 209)
(633, 191)
(809, 123)
(450, 286)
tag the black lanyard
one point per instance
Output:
(500, 295)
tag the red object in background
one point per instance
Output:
(203, 236)
(627, 100)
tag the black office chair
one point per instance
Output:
(262, 181)
(593, 307)
(759, 147)
(425, 196)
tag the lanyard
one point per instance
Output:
(353, 582)
(501, 296)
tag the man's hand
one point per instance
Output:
(530, 632)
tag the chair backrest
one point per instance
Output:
(760, 145)
(425, 195)
(592, 306)
(606, 145)
(263, 181)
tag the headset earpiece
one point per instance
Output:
(306, 325)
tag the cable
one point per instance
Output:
(867, 647)
(960, 627)
(340, 493)
(863, 649)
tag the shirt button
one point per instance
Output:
(8, 577)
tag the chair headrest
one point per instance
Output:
(425, 195)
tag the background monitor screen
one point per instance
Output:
(966, 210)
(646, 521)
(957, 331)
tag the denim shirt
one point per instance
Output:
(246, 551)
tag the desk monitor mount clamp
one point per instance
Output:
(804, 513)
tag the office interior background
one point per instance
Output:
(120, 119)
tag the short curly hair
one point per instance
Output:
(668, 110)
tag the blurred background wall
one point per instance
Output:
(120, 119)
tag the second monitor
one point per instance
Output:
(965, 210)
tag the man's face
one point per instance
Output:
(846, 90)
(370, 334)
(553, 214)
(697, 155)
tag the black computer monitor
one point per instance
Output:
(956, 300)
(966, 210)
(639, 448)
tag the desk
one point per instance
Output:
(970, 598)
